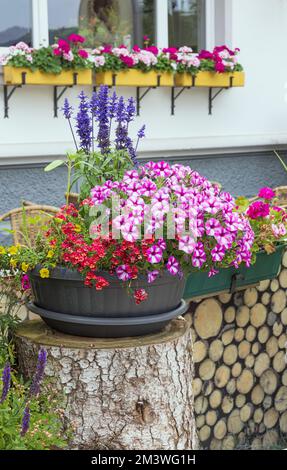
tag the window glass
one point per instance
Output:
(102, 21)
(184, 22)
(15, 22)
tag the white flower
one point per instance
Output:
(98, 61)
(4, 59)
(186, 50)
(69, 56)
(118, 51)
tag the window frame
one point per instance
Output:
(216, 26)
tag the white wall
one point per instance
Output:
(252, 116)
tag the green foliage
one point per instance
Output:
(46, 427)
(95, 169)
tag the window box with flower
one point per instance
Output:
(216, 69)
(268, 222)
(65, 63)
(148, 67)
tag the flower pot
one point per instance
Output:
(22, 75)
(99, 327)
(135, 78)
(210, 79)
(65, 294)
(266, 267)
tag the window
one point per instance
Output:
(102, 21)
(185, 23)
(15, 22)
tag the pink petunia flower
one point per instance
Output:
(187, 244)
(124, 272)
(154, 254)
(173, 266)
(151, 277)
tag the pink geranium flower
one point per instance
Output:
(258, 209)
(76, 38)
(82, 53)
(266, 193)
(64, 45)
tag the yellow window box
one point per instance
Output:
(210, 79)
(14, 76)
(134, 78)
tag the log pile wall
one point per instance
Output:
(240, 383)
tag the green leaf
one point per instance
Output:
(53, 165)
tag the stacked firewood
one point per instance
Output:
(240, 381)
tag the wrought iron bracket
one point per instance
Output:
(235, 278)
(8, 94)
(58, 95)
(212, 97)
(175, 96)
(140, 96)
(114, 82)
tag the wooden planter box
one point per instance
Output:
(134, 78)
(22, 75)
(210, 79)
(198, 284)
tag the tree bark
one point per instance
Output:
(130, 393)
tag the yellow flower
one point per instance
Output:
(77, 228)
(13, 250)
(44, 273)
(13, 263)
(2, 250)
(25, 267)
(50, 254)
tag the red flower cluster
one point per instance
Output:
(68, 48)
(67, 237)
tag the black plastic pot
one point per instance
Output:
(64, 292)
(67, 305)
(97, 327)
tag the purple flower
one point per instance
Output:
(113, 105)
(173, 266)
(130, 110)
(124, 272)
(101, 111)
(25, 282)
(67, 109)
(25, 421)
(84, 127)
(141, 132)
(39, 374)
(6, 379)
(152, 275)
(154, 254)
(68, 112)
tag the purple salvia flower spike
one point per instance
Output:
(141, 132)
(25, 421)
(103, 120)
(84, 127)
(68, 113)
(67, 109)
(39, 373)
(6, 379)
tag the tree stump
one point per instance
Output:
(124, 394)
